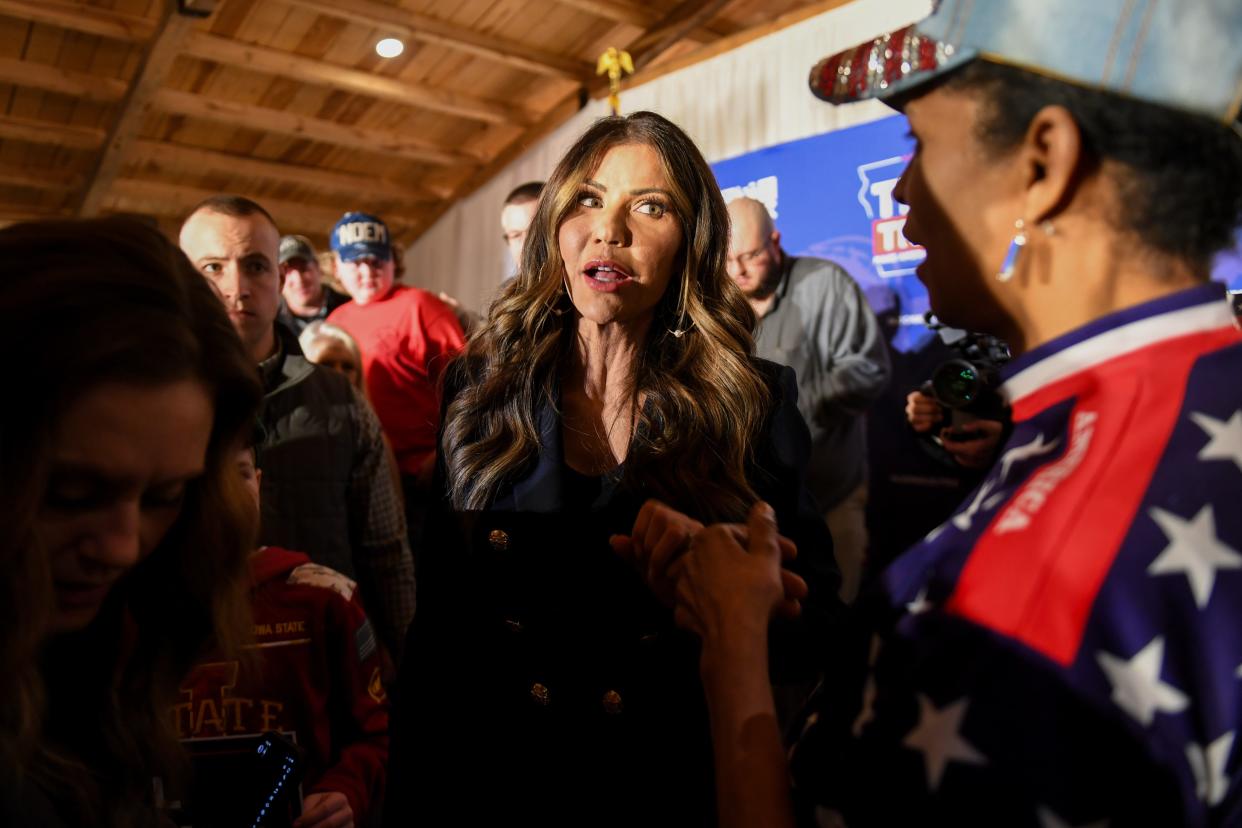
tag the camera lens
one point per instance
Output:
(956, 383)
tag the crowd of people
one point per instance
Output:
(633, 490)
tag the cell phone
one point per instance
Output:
(964, 434)
(251, 781)
(283, 765)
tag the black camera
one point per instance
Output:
(968, 382)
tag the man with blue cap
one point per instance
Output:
(407, 336)
(1067, 648)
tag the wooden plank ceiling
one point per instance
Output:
(132, 106)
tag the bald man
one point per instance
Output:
(814, 318)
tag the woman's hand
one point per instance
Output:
(328, 809)
(661, 535)
(728, 593)
(978, 449)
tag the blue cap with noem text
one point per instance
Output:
(361, 236)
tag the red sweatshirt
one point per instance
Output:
(406, 339)
(319, 679)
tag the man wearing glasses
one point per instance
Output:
(814, 318)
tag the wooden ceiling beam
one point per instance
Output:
(80, 18)
(557, 115)
(349, 185)
(250, 116)
(645, 17)
(397, 21)
(683, 20)
(15, 213)
(218, 49)
(617, 11)
(176, 201)
(740, 38)
(54, 79)
(48, 133)
(156, 63)
(16, 175)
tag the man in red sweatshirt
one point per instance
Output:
(407, 336)
(316, 679)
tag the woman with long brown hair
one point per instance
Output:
(125, 527)
(613, 369)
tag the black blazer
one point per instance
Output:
(543, 683)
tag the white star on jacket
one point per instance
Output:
(1226, 442)
(1208, 764)
(920, 604)
(1193, 549)
(1137, 688)
(936, 736)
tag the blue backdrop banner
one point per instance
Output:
(832, 196)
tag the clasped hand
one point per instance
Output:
(717, 576)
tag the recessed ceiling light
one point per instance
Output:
(389, 47)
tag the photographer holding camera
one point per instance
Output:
(958, 409)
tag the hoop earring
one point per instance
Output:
(1011, 255)
(682, 328)
(565, 285)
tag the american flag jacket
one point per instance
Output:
(1066, 649)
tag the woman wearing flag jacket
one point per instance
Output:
(1065, 649)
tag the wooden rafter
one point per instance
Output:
(175, 201)
(172, 156)
(684, 19)
(286, 64)
(740, 38)
(12, 214)
(644, 17)
(557, 115)
(617, 11)
(158, 60)
(250, 116)
(46, 132)
(15, 175)
(132, 171)
(79, 18)
(403, 22)
(55, 79)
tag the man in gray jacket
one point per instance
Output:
(814, 318)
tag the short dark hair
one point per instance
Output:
(231, 205)
(1181, 185)
(530, 191)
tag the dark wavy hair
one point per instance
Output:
(83, 716)
(704, 398)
